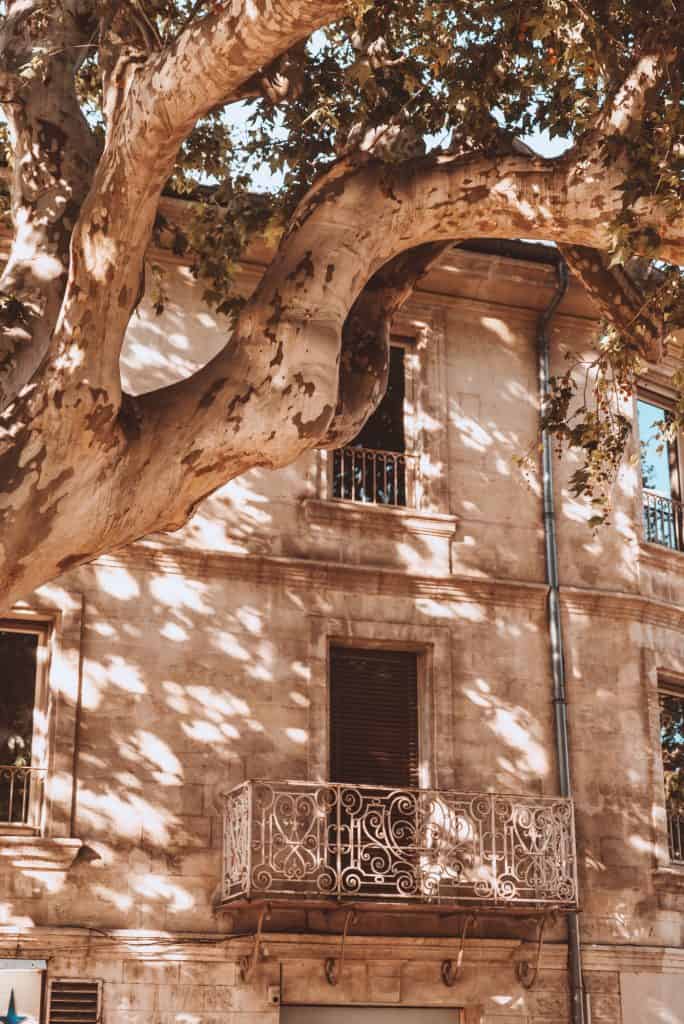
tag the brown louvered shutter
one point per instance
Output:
(373, 717)
(72, 1001)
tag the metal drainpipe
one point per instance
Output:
(555, 628)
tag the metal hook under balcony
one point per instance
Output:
(333, 967)
(527, 975)
(248, 963)
(450, 972)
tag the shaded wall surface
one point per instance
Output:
(191, 662)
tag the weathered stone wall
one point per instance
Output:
(203, 663)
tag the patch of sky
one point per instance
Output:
(656, 452)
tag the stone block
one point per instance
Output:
(117, 997)
(207, 973)
(153, 972)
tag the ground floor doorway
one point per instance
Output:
(367, 1015)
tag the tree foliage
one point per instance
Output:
(110, 104)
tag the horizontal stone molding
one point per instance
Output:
(622, 606)
(38, 853)
(630, 959)
(217, 947)
(337, 576)
(378, 518)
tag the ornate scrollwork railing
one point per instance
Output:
(299, 840)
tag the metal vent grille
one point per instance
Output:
(73, 1001)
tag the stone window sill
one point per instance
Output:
(38, 852)
(661, 556)
(669, 878)
(382, 518)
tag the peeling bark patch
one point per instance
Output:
(315, 427)
(307, 386)
(211, 394)
(191, 458)
(99, 419)
(278, 357)
(239, 400)
(305, 268)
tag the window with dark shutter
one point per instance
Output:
(374, 717)
(73, 1001)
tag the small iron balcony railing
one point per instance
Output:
(675, 834)
(373, 476)
(21, 793)
(306, 840)
(662, 520)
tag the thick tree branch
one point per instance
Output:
(54, 156)
(628, 105)
(153, 106)
(215, 57)
(364, 358)
(620, 300)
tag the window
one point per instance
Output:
(22, 768)
(373, 467)
(373, 717)
(662, 509)
(672, 747)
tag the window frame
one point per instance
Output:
(425, 715)
(668, 687)
(410, 453)
(676, 467)
(420, 652)
(40, 737)
(60, 615)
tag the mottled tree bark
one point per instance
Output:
(55, 154)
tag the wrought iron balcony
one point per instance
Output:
(311, 841)
(662, 520)
(373, 476)
(21, 791)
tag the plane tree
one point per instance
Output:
(392, 129)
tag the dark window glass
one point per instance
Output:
(18, 660)
(368, 468)
(384, 430)
(672, 746)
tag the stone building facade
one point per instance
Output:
(173, 671)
